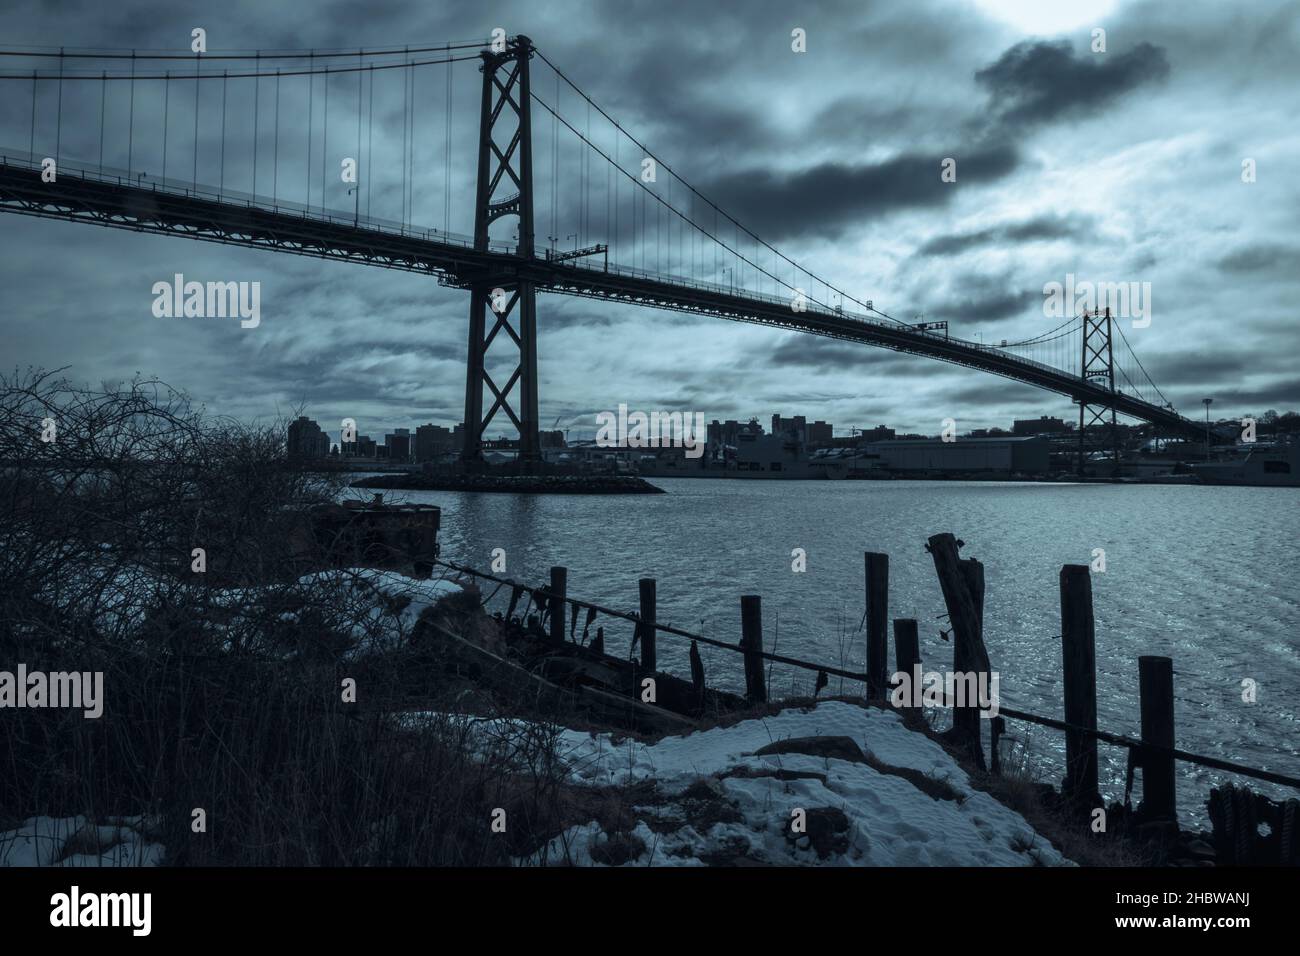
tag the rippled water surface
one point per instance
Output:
(1207, 576)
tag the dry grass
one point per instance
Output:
(234, 707)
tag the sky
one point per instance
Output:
(1117, 166)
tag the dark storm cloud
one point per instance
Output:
(830, 198)
(1263, 258)
(1224, 361)
(819, 353)
(975, 298)
(1280, 395)
(985, 391)
(1031, 230)
(1039, 81)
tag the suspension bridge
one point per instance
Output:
(300, 152)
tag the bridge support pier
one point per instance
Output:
(506, 98)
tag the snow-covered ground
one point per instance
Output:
(377, 608)
(76, 841)
(726, 804)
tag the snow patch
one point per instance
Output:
(890, 822)
(76, 841)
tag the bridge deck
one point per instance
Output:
(116, 199)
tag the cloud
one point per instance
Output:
(1037, 81)
(823, 354)
(830, 199)
(1038, 229)
(1277, 258)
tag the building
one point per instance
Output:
(1028, 456)
(798, 424)
(811, 434)
(551, 439)
(399, 446)
(432, 442)
(307, 439)
(729, 432)
(363, 447)
(1039, 426)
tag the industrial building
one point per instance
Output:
(1027, 456)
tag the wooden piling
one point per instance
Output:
(962, 583)
(1156, 689)
(751, 639)
(907, 656)
(967, 719)
(697, 680)
(557, 602)
(877, 573)
(1079, 671)
(648, 625)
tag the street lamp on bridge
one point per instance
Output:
(1207, 402)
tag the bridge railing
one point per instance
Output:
(815, 308)
(188, 189)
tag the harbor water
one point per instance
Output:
(1204, 575)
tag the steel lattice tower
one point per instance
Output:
(1098, 366)
(505, 109)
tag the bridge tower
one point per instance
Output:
(1098, 366)
(505, 188)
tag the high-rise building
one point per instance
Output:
(433, 441)
(399, 445)
(306, 439)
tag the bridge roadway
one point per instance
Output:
(120, 200)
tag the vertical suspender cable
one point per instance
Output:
(619, 163)
(410, 193)
(103, 93)
(275, 155)
(311, 115)
(58, 136)
(257, 91)
(325, 142)
(411, 151)
(370, 138)
(222, 181)
(356, 197)
(130, 134)
(167, 99)
(446, 173)
(405, 94)
(198, 68)
(31, 144)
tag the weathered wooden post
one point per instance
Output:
(907, 657)
(751, 639)
(648, 625)
(966, 719)
(1156, 689)
(963, 595)
(1079, 670)
(558, 605)
(877, 570)
(697, 680)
